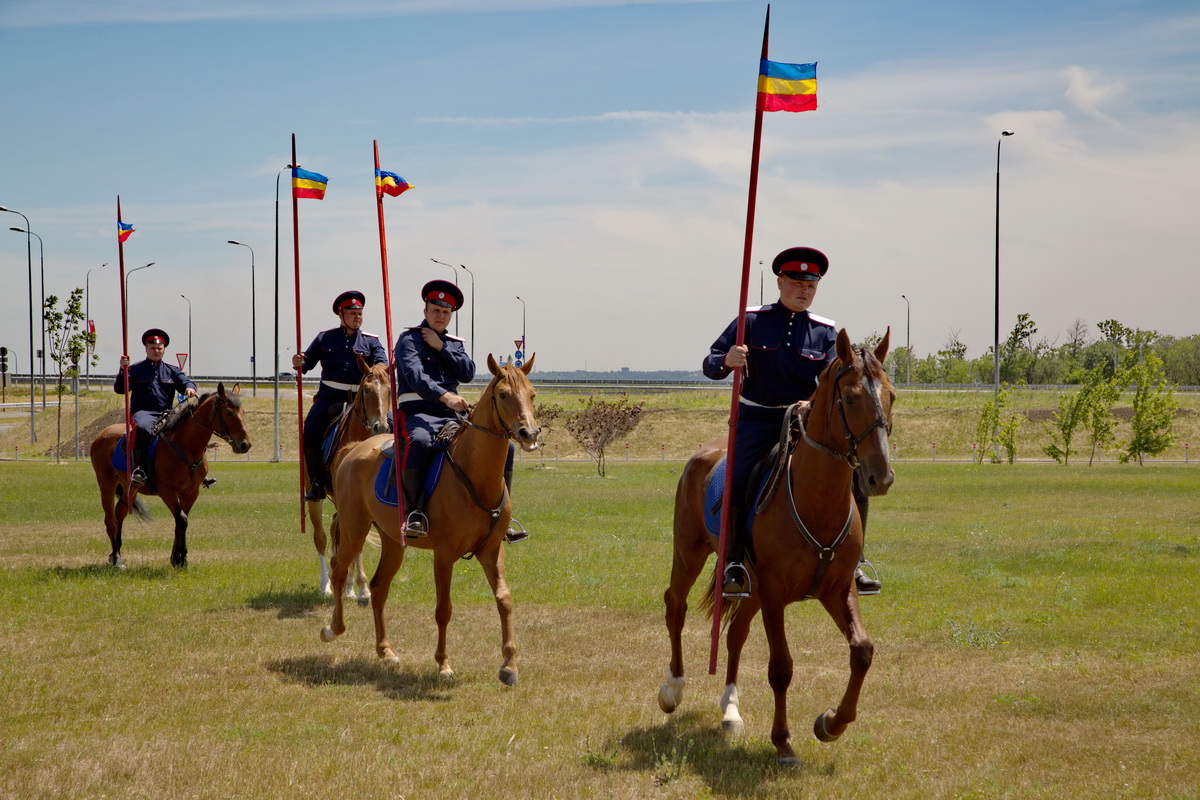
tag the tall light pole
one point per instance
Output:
(253, 324)
(908, 341)
(996, 337)
(191, 353)
(29, 263)
(452, 269)
(87, 313)
(522, 326)
(130, 272)
(42, 272)
(472, 274)
(275, 380)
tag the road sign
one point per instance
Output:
(182, 360)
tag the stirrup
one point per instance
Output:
(516, 532)
(138, 476)
(736, 580)
(207, 482)
(416, 525)
(867, 584)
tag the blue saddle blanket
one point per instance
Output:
(330, 437)
(118, 456)
(386, 493)
(714, 492)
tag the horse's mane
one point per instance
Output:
(871, 365)
(177, 415)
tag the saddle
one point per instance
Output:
(120, 465)
(385, 479)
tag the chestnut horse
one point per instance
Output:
(807, 539)
(367, 416)
(468, 512)
(179, 468)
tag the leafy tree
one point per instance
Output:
(548, 415)
(995, 430)
(1102, 393)
(1154, 405)
(1068, 418)
(66, 341)
(600, 423)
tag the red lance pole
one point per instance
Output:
(397, 420)
(129, 429)
(737, 376)
(299, 346)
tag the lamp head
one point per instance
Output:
(1007, 133)
(18, 230)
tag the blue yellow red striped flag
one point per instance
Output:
(786, 87)
(390, 183)
(124, 231)
(308, 184)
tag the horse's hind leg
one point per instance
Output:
(115, 511)
(492, 562)
(316, 517)
(360, 581)
(691, 552)
(844, 610)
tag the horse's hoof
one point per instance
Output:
(364, 600)
(509, 677)
(666, 699)
(734, 727)
(789, 762)
(327, 634)
(326, 590)
(821, 732)
(117, 562)
(446, 673)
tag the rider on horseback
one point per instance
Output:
(152, 387)
(337, 351)
(786, 348)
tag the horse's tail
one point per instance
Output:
(139, 508)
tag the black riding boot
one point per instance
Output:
(141, 446)
(736, 580)
(314, 464)
(516, 531)
(415, 525)
(866, 584)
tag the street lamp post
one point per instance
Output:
(88, 313)
(29, 263)
(452, 269)
(996, 332)
(253, 324)
(522, 327)
(130, 272)
(472, 274)
(42, 273)
(908, 341)
(191, 353)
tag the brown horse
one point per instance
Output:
(807, 539)
(468, 513)
(367, 416)
(179, 468)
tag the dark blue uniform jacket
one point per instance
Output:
(152, 387)
(425, 374)
(335, 350)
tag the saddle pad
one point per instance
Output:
(118, 456)
(330, 438)
(385, 488)
(714, 493)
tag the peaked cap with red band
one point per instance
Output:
(442, 293)
(805, 262)
(350, 299)
(156, 336)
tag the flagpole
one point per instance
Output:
(737, 375)
(397, 421)
(129, 429)
(299, 373)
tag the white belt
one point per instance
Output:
(408, 397)
(760, 405)
(349, 387)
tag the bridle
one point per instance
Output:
(852, 441)
(219, 417)
(507, 432)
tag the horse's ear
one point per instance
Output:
(845, 351)
(881, 349)
(528, 365)
(237, 389)
(492, 366)
(221, 389)
(363, 366)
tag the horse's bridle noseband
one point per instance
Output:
(852, 441)
(219, 416)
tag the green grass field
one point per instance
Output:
(1035, 638)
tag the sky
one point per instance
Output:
(592, 158)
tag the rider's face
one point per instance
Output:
(351, 318)
(796, 295)
(155, 350)
(437, 316)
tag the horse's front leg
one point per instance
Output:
(443, 572)
(739, 631)
(180, 507)
(779, 676)
(492, 562)
(845, 612)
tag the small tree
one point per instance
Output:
(995, 430)
(600, 423)
(1102, 393)
(1068, 418)
(1154, 405)
(66, 341)
(547, 415)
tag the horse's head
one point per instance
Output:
(860, 405)
(225, 417)
(373, 399)
(511, 402)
